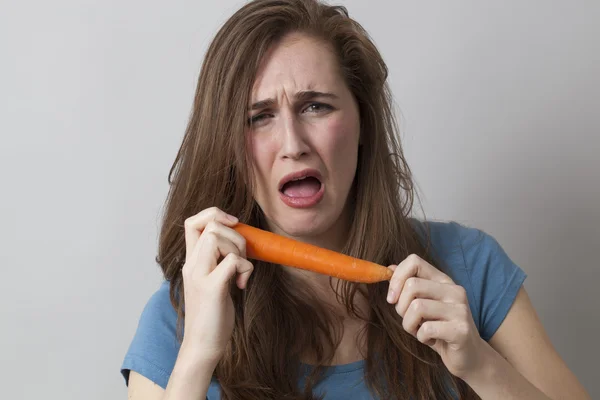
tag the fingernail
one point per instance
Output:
(232, 218)
(390, 296)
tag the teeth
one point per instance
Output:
(299, 179)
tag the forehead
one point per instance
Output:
(296, 63)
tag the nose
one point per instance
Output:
(293, 138)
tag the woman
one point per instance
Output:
(292, 131)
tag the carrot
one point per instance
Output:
(270, 247)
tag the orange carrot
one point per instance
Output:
(270, 247)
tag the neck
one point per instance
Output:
(332, 239)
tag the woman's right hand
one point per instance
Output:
(214, 254)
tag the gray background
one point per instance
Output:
(499, 106)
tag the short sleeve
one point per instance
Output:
(494, 278)
(154, 348)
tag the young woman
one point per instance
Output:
(292, 131)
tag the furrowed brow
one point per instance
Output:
(301, 96)
(306, 95)
(262, 104)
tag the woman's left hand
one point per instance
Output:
(436, 311)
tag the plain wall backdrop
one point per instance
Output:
(499, 107)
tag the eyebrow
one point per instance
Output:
(301, 96)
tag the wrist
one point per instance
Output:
(191, 375)
(485, 368)
(197, 357)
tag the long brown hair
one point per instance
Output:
(275, 321)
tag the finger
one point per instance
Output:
(415, 266)
(421, 310)
(418, 288)
(243, 273)
(228, 233)
(231, 265)
(452, 332)
(428, 332)
(195, 224)
(209, 249)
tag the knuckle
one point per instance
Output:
(417, 305)
(446, 280)
(422, 334)
(210, 242)
(462, 329)
(405, 324)
(210, 237)
(229, 265)
(216, 213)
(399, 310)
(463, 311)
(414, 259)
(428, 329)
(188, 223)
(240, 242)
(232, 258)
(411, 283)
(461, 293)
(211, 226)
(243, 247)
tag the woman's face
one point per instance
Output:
(304, 135)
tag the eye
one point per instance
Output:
(318, 107)
(257, 119)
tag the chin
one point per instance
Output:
(305, 224)
(299, 228)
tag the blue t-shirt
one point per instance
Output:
(471, 257)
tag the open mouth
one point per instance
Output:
(307, 186)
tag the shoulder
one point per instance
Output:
(448, 238)
(475, 260)
(460, 248)
(154, 347)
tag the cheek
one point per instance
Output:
(263, 153)
(262, 159)
(342, 138)
(343, 129)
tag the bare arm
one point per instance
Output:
(189, 381)
(522, 362)
(141, 387)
